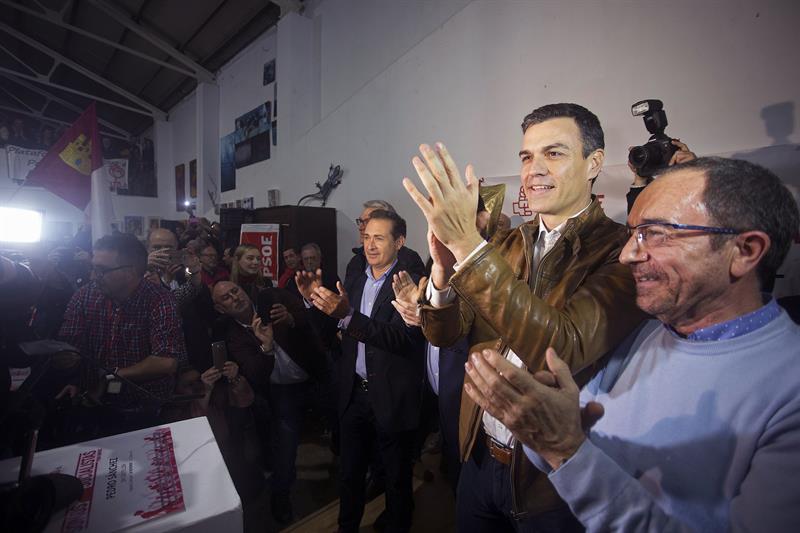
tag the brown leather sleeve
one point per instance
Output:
(444, 326)
(595, 318)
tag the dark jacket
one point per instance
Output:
(580, 300)
(395, 356)
(245, 349)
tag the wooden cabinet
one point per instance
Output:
(301, 225)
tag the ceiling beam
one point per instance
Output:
(289, 6)
(19, 61)
(49, 97)
(200, 73)
(153, 110)
(53, 19)
(66, 7)
(16, 99)
(46, 81)
(40, 116)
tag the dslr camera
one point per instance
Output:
(654, 155)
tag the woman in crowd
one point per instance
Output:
(246, 270)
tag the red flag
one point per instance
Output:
(67, 167)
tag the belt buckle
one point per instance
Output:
(363, 384)
(499, 453)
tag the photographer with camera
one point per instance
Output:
(658, 153)
(178, 270)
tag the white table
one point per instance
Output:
(211, 501)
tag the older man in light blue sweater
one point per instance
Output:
(695, 420)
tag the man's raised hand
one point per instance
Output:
(406, 294)
(330, 303)
(307, 282)
(545, 417)
(450, 204)
(263, 332)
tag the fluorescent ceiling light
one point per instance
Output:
(20, 225)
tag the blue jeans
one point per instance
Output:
(483, 500)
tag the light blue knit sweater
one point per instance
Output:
(697, 436)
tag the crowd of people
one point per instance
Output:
(583, 374)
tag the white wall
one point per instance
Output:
(373, 79)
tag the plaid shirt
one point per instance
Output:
(147, 323)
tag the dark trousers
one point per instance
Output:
(483, 500)
(287, 403)
(451, 380)
(360, 434)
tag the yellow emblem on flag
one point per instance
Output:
(78, 155)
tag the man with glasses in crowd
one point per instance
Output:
(211, 271)
(125, 327)
(696, 416)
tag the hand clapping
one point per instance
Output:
(406, 294)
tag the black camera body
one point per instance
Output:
(654, 155)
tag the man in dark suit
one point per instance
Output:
(380, 374)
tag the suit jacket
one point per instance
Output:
(298, 342)
(395, 356)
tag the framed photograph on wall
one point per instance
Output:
(227, 162)
(273, 197)
(253, 136)
(269, 72)
(140, 171)
(153, 223)
(180, 186)
(134, 225)
(193, 178)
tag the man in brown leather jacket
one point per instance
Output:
(555, 281)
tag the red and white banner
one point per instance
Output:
(265, 238)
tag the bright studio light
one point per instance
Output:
(187, 203)
(20, 225)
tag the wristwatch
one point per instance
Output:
(269, 351)
(113, 384)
